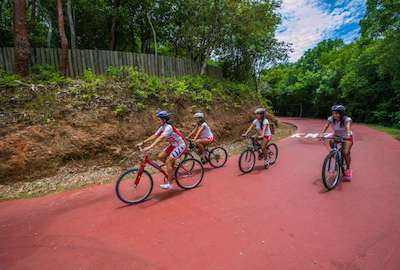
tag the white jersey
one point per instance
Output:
(259, 128)
(206, 132)
(173, 135)
(338, 129)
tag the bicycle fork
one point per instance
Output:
(139, 175)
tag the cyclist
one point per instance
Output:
(341, 126)
(264, 134)
(177, 145)
(202, 134)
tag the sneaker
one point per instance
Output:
(347, 174)
(266, 163)
(203, 161)
(166, 185)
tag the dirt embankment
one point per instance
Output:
(97, 138)
(52, 138)
(48, 128)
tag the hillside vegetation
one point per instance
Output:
(50, 121)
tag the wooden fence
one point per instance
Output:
(99, 61)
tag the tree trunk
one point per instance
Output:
(71, 24)
(33, 15)
(154, 33)
(63, 39)
(49, 32)
(205, 61)
(21, 41)
(114, 25)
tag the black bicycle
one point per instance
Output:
(216, 156)
(334, 163)
(247, 159)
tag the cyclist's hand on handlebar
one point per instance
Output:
(146, 149)
(244, 135)
(139, 144)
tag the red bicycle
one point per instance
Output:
(136, 184)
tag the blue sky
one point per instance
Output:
(307, 22)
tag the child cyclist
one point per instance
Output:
(177, 145)
(341, 126)
(264, 134)
(202, 134)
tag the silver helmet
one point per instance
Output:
(199, 115)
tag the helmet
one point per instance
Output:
(338, 108)
(163, 115)
(198, 115)
(259, 110)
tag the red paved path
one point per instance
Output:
(270, 219)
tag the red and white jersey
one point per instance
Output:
(172, 134)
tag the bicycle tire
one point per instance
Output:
(122, 178)
(328, 158)
(188, 169)
(211, 161)
(273, 145)
(247, 154)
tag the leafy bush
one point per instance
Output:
(120, 110)
(118, 73)
(90, 77)
(7, 79)
(47, 74)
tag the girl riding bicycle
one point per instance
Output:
(202, 133)
(262, 126)
(177, 145)
(341, 126)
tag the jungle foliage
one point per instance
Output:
(363, 75)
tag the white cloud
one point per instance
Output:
(306, 22)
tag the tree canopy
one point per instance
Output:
(363, 75)
(239, 35)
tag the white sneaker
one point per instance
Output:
(166, 185)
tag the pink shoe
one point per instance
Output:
(347, 174)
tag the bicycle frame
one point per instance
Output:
(151, 163)
(337, 150)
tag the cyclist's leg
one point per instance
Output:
(347, 145)
(201, 144)
(162, 156)
(264, 144)
(170, 162)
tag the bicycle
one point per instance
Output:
(216, 156)
(333, 166)
(247, 159)
(136, 184)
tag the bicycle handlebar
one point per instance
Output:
(335, 138)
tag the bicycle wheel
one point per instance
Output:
(130, 193)
(187, 155)
(331, 171)
(247, 161)
(217, 157)
(189, 173)
(272, 153)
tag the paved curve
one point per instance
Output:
(270, 219)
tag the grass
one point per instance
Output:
(394, 132)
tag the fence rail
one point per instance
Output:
(99, 61)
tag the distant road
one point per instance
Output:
(279, 218)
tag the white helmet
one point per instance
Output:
(198, 115)
(259, 110)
